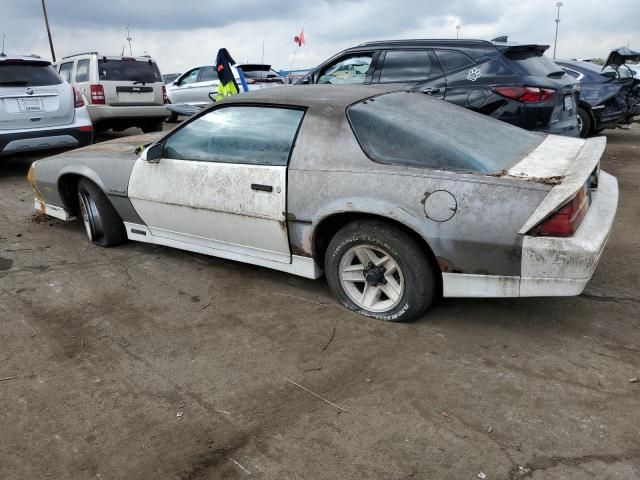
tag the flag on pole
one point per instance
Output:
(227, 85)
(299, 39)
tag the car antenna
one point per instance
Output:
(4, 37)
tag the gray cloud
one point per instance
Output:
(182, 33)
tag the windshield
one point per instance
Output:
(409, 128)
(26, 75)
(144, 71)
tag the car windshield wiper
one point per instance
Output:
(14, 82)
(140, 81)
(557, 73)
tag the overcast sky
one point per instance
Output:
(183, 33)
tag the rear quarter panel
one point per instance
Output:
(330, 174)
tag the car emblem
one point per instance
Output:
(474, 74)
(29, 91)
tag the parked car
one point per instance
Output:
(609, 95)
(260, 76)
(194, 89)
(397, 196)
(169, 78)
(508, 81)
(120, 92)
(38, 110)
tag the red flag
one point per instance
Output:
(299, 39)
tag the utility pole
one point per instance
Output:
(46, 21)
(555, 42)
(129, 38)
(458, 27)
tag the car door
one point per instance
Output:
(221, 183)
(207, 83)
(416, 67)
(181, 92)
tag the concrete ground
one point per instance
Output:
(152, 363)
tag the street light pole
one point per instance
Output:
(458, 27)
(46, 21)
(555, 42)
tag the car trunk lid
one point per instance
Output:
(570, 166)
(621, 55)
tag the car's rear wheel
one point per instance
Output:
(585, 125)
(152, 126)
(102, 223)
(379, 271)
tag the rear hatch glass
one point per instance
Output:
(533, 63)
(129, 69)
(130, 82)
(407, 128)
(33, 95)
(28, 75)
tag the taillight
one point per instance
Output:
(165, 97)
(565, 221)
(526, 94)
(78, 101)
(97, 94)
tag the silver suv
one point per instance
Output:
(38, 110)
(120, 92)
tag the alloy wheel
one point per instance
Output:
(371, 278)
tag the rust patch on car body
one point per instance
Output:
(447, 266)
(553, 180)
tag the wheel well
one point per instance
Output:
(68, 189)
(325, 231)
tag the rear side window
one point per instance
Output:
(129, 69)
(208, 74)
(82, 70)
(411, 129)
(28, 75)
(532, 63)
(65, 71)
(237, 134)
(452, 60)
(408, 66)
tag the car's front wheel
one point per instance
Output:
(102, 223)
(379, 271)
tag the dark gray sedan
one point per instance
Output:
(397, 197)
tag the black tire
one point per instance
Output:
(585, 123)
(173, 118)
(102, 223)
(152, 126)
(418, 275)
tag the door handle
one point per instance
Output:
(261, 188)
(431, 91)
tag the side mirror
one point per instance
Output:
(176, 83)
(152, 154)
(306, 80)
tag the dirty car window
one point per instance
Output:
(237, 134)
(406, 128)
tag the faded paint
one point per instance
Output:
(211, 209)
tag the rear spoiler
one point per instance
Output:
(578, 168)
(508, 48)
